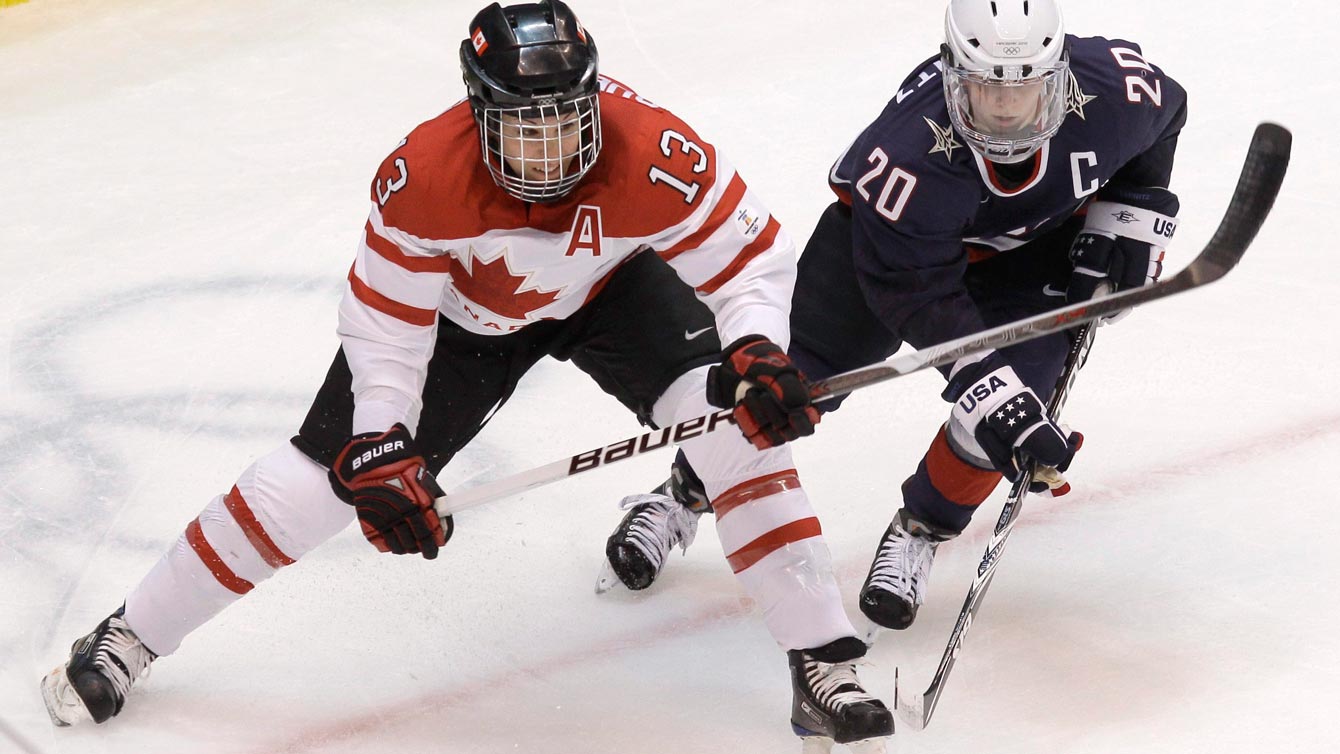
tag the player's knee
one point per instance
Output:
(289, 498)
(685, 399)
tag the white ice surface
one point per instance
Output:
(181, 188)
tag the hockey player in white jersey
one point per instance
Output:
(552, 213)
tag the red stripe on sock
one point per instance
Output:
(754, 489)
(256, 535)
(957, 480)
(772, 541)
(231, 581)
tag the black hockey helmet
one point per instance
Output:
(532, 62)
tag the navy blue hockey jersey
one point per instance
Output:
(920, 197)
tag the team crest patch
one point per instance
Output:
(944, 139)
(1075, 98)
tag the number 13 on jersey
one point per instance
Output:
(657, 175)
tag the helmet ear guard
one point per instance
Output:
(533, 65)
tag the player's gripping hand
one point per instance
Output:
(1122, 244)
(1103, 258)
(1008, 424)
(770, 396)
(383, 475)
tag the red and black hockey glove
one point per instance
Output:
(770, 396)
(1000, 419)
(383, 475)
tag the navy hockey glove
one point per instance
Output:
(770, 396)
(999, 419)
(383, 475)
(1121, 244)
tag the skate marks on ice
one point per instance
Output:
(63, 451)
(1074, 608)
(375, 722)
(24, 746)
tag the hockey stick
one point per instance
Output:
(916, 712)
(1267, 160)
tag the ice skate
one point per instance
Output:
(636, 551)
(829, 706)
(896, 584)
(94, 682)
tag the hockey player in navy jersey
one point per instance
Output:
(1016, 171)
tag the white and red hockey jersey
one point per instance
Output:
(443, 238)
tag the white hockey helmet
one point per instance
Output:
(1005, 72)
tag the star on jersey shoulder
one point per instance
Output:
(944, 139)
(1075, 98)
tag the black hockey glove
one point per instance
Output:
(383, 475)
(1000, 419)
(1122, 244)
(770, 396)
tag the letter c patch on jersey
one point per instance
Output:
(585, 231)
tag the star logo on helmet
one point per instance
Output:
(944, 139)
(1075, 98)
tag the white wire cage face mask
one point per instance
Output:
(1006, 118)
(539, 153)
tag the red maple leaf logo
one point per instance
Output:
(493, 286)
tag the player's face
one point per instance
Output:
(1003, 109)
(540, 148)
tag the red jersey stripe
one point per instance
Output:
(256, 534)
(392, 253)
(403, 312)
(726, 207)
(772, 541)
(755, 247)
(231, 581)
(753, 490)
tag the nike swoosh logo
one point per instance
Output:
(691, 335)
(1048, 290)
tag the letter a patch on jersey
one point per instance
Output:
(585, 231)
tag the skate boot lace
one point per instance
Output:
(121, 657)
(835, 685)
(902, 565)
(659, 526)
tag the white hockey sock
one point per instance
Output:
(281, 507)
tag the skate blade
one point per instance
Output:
(869, 630)
(62, 703)
(868, 746)
(912, 712)
(822, 745)
(607, 579)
